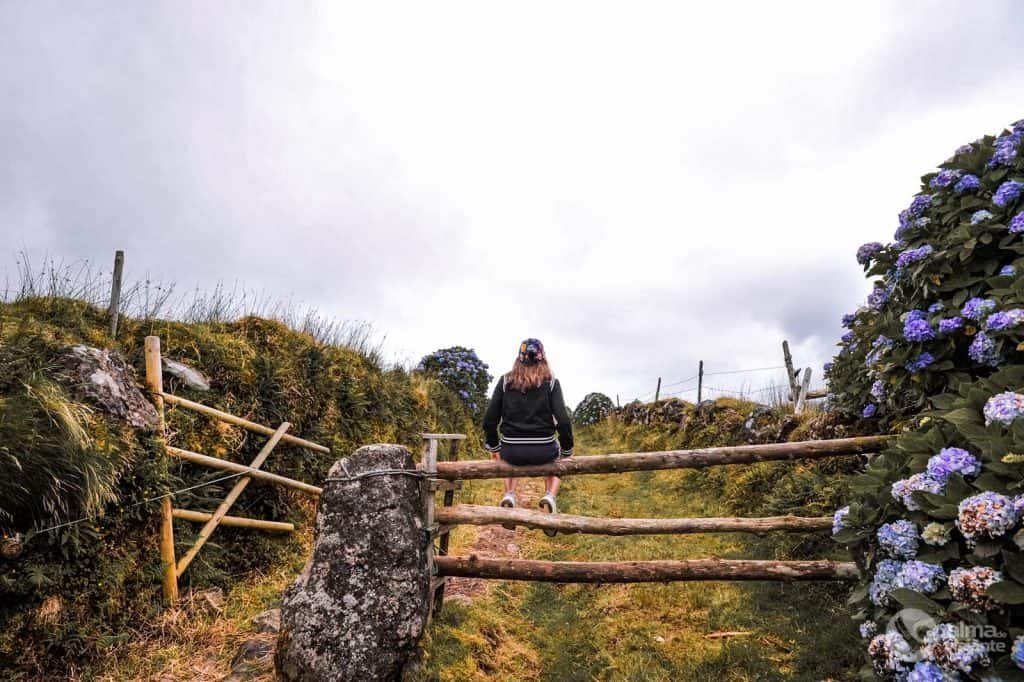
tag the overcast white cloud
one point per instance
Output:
(640, 185)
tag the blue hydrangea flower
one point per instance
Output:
(878, 298)
(977, 308)
(920, 576)
(917, 315)
(1007, 271)
(964, 149)
(869, 411)
(987, 514)
(1017, 653)
(967, 182)
(935, 307)
(902, 490)
(1004, 408)
(983, 350)
(899, 539)
(980, 216)
(951, 461)
(950, 324)
(968, 585)
(911, 256)
(948, 647)
(839, 519)
(878, 389)
(1005, 150)
(881, 585)
(917, 330)
(1004, 319)
(827, 367)
(916, 208)
(1007, 193)
(868, 629)
(920, 362)
(926, 671)
(1017, 224)
(868, 251)
(879, 347)
(849, 319)
(945, 178)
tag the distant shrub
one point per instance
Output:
(593, 408)
(462, 372)
(949, 302)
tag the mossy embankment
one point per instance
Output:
(85, 598)
(678, 631)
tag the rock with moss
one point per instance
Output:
(359, 607)
(103, 378)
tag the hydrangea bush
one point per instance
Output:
(593, 408)
(462, 372)
(947, 305)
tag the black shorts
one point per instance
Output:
(525, 454)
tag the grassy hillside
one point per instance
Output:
(78, 597)
(533, 631)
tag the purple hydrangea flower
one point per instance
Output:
(980, 216)
(935, 307)
(1016, 654)
(977, 308)
(868, 629)
(1004, 408)
(945, 178)
(1007, 193)
(950, 648)
(951, 461)
(1007, 271)
(878, 389)
(880, 345)
(899, 539)
(849, 319)
(983, 350)
(917, 315)
(950, 324)
(967, 182)
(1017, 224)
(882, 582)
(1005, 150)
(868, 251)
(920, 576)
(839, 519)
(968, 585)
(827, 367)
(847, 337)
(891, 656)
(878, 298)
(869, 411)
(911, 256)
(918, 330)
(920, 362)
(902, 490)
(916, 208)
(964, 149)
(1004, 319)
(987, 514)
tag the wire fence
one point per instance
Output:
(689, 387)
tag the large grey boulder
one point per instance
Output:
(104, 379)
(359, 607)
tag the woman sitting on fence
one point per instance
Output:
(528, 405)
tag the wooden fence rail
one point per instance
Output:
(478, 515)
(644, 571)
(670, 459)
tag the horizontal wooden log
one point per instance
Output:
(237, 521)
(643, 571)
(477, 515)
(670, 459)
(812, 395)
(215, 463)
(443, 436)
(244, 423)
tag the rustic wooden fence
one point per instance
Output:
(448, 475)
(174, 568)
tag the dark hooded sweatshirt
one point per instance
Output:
(531, 416)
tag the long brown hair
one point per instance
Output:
(524, 377)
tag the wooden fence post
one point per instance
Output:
(155, 384)
(791, 374)
(115, 292)
(657, 391)
(801, 398)
(700, 380)
(430, 469)
(445, 538)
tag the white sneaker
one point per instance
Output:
(548, 504)
(509, 502)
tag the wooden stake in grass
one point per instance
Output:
(155, 384)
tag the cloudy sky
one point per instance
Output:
(641, 185)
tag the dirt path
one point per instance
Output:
(494, 542)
